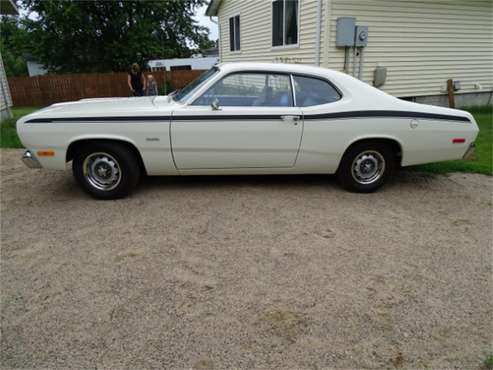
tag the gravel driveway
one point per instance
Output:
(257, 272)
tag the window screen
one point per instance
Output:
(291, 22)
(284, 22)
(313, 91)
(234, 33)
(277, 22)
(250, 90)
(237, 32)
(231, 34)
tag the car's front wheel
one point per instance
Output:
(106, 170)
(366, 166)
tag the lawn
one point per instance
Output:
(481, 163)
(8, 134)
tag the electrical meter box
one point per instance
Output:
(361, 36)
(345, 28)
(379, 76)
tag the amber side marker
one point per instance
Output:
(46, 153)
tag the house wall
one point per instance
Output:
(194, 63)
(5, 98)
(256, 32)
(422, 43)
(35, 69)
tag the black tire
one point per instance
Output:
(374, 152)
(122, 163)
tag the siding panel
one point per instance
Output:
(256, 32)
(422, 43)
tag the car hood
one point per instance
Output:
(107, 107)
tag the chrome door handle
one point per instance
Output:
(291, 119)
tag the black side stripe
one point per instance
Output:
(100, 119)
(386, 114)
(220, 117)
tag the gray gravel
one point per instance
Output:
(257, 272)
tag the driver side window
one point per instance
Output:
(250, 90)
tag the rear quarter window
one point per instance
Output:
(314, 91)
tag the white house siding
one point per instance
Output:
(256, 32)
(5, 98)
(422, 43)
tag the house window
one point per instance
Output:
(181, 68)
(284, 22)
(234, 33)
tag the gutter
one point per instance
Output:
(319, 31)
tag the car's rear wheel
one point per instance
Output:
(366, 166)
(106, 170)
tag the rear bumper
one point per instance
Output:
(30, 160)
(469, 152)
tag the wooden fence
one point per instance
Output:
(53, 88)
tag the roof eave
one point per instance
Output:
(213, 8)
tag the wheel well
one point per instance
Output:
(76, 145)
(393, 144)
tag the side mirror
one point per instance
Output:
(215, 104)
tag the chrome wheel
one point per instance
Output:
(102, 171)
(368, 167)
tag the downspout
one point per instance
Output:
(219, 48)
(319, 32)
(326, 25)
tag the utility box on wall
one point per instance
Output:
(361, 36)
(345, 27)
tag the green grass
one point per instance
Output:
(488, 362)
(483, 155)
(481, 163)
(8, 134)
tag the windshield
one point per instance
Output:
(183, 94)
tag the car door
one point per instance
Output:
(253, 124)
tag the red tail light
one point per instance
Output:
(458, 140)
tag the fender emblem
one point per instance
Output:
(152, 139)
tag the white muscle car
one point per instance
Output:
(245, 118)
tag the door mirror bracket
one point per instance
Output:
(215, 104)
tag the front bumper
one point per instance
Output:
(469, 154)
(30, 160)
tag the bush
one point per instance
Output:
(166, 88)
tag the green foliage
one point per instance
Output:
(104, 36)
(166, 88)
(206, 44)
(13, 43)
(8, 133)
(488, 362)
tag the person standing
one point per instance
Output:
(136, 80)
(151, 85)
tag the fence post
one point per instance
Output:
(165, 82)
(450, 91)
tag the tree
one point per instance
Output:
(206, 44)
(13, 42)
(102, 36)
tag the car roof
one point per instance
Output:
(343, 81)
(277, 67)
